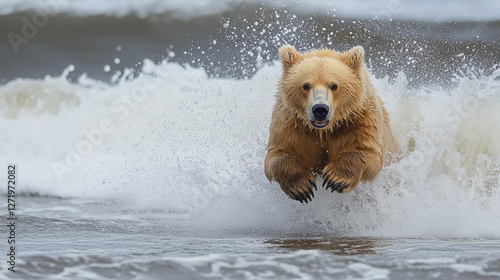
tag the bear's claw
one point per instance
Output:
(295, 196)
(314, 185)
(338, 181)
(338, 186)
(335, 186)
(341, 189)
(301, 197)
(327, 180)
(304, 193)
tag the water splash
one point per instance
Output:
(174, 139)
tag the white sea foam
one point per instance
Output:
(301, 264)
(175, 140)
(444, 10)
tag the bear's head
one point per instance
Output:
(323, 88)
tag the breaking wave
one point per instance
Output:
(170, 138)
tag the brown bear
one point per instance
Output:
(327, 120)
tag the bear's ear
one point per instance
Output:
(289, 56)
(354, 58)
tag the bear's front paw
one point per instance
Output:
(339, 180)
(300, 189)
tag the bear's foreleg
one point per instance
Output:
(344, 173)
(294, 178)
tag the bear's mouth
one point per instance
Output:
(320, 124)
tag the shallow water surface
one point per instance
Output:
(62, 239)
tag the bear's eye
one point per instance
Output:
(306, 87)
(334, 87)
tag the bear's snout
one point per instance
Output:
(319, 107)
(320, 111)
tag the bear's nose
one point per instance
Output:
(320, 111)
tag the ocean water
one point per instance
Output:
(138, 132)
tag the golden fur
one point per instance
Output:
(355, 144)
